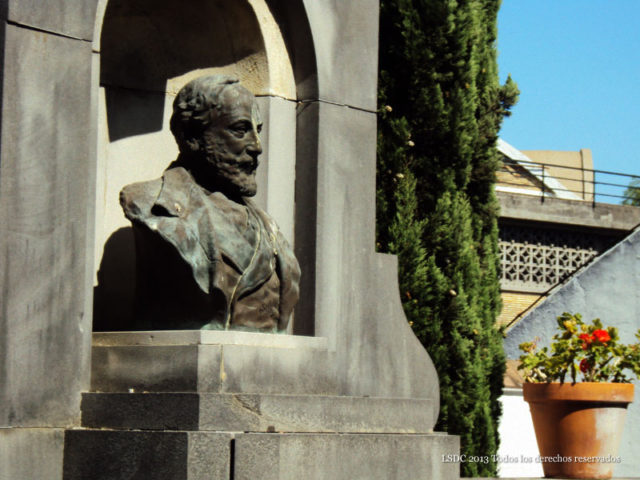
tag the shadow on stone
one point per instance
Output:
(113, 296)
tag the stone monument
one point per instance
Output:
(87, 94)
(207, 256)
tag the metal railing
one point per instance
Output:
(597, 186)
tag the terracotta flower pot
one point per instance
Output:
(578, 427)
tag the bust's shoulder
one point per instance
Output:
(137, 199)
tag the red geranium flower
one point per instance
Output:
(602, 336)
(585, 366)
(586, 340)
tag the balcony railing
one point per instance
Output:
(549, 180)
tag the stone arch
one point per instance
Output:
(148, 49)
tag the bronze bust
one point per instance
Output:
(206, 256)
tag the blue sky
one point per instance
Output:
(577, 64)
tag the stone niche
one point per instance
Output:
(148, 50)
(350, 393)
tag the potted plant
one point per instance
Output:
(578, 424)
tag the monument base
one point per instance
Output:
(234, 405)
(31, 453)
(179, 455)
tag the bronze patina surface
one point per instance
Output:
(207, 256)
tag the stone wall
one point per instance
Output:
(47, 181)
(51, 175)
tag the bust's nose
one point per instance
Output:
(255, 146)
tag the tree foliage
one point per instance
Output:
(441, 106)
(632, 193)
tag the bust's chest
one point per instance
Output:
(232, 230)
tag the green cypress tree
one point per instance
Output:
(441, 107)
(631, 195)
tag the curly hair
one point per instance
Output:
(192, 109)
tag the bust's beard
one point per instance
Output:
(242, 185)
(227, 175)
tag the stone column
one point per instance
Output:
(46, 181)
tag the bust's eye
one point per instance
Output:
(259, 128)
(240, 129)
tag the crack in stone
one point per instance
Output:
(245, 404)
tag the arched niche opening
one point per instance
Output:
(148, 50)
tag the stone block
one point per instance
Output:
(255, 413)
(146, 368)
(45, 283)
(114, 455)
(31, 453)
(252, 369)
(141, 411)
(345, 35)
(72, 18)
(357, 302)
(205, 337)
(344, 457)
(211, 361)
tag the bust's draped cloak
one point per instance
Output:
(196, 257)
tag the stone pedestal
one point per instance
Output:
(211, 361)
(190, 405)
